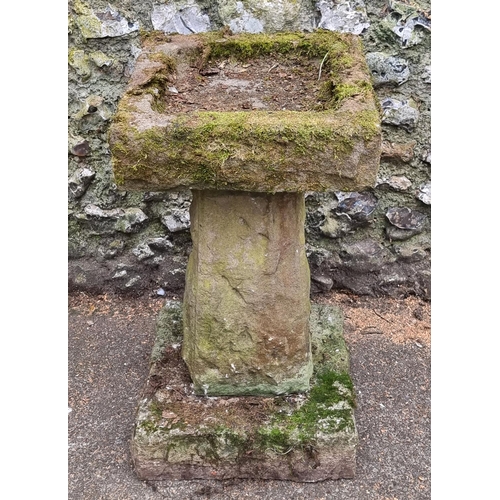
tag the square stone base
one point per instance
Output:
(298, 437)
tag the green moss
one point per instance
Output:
(326, 390)
(155, 409)
(148, 426)
(233, 439)
(274, 438)
(250, 151)
(215, 148)
(169, 64)
(327, 410)
(153, 36)
(246, 46)
(333, 94)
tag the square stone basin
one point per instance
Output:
(291, 112)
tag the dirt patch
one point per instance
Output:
(112, 305)
(398, 320)
(170, 384)
(275, 83)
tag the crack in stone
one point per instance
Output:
(235, 288)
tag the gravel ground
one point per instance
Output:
(110, 341)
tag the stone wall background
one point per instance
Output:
(376, 242)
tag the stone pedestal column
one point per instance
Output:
(246, 304)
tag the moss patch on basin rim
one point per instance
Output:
(258, 151)
(334, 147)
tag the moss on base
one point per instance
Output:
(303, 437)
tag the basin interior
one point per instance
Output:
(273, 83)
(284, 71)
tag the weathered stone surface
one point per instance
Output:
(347, 16)
(334, 228)
(396, 182)
(177, 220)
(364, 255)
(424, 193)
(408, 23)
(398, 152)
(246, 305)
(324, 283)
(387, 69)
(334, 148)
(110, 81)
(426, 76)
(405, 223)
(106, 23)
(400, 113)
(130, 220)
(184, 17)
(143, 251)
(405, 218)
(264, 15)
(357, 207)
(80, 181)
(306, 437)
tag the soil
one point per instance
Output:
(272, 84)
(401, 321)
(171, 386)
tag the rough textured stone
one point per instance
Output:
(396, 182)
(130, 220)
(334, 228)
(347, 16)
(405, 223)
(80, 181)
(357, 207)
(265, 15)
(387, 69)
(177, 220)
(407, 22)
(405, 218)
(424, 193)
(400, 113)
(397, 152)
(266, 151)
(246, 305)
(183, 17)
(306, 437)
(324, 283)
(101, 24)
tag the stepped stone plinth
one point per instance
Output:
(214, 113)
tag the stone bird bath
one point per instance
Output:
(249, 123)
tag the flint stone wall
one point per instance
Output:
(375, 242)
